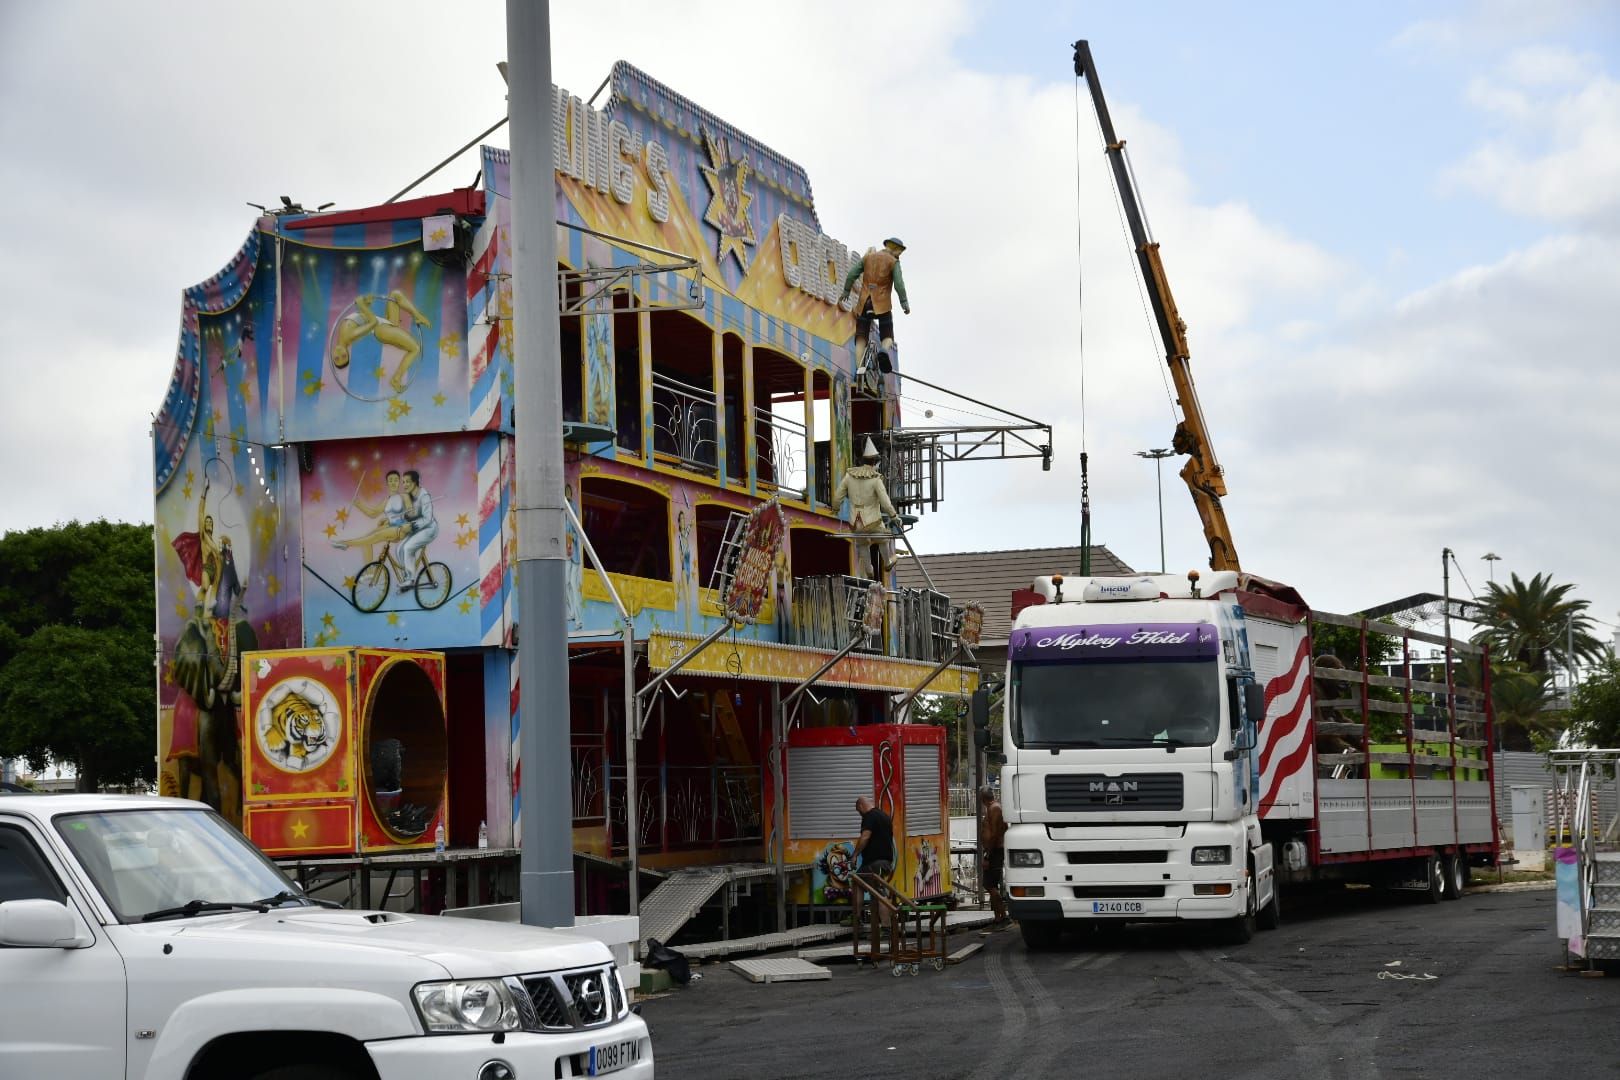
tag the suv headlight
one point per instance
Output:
(469, 1005)
(1025, 858)
(1209, 856)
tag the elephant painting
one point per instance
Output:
(206, 740)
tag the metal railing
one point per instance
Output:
(684, 423)
(693, 806)
(780, 448)
(1578, 774)
(921, 622)
(826, 608)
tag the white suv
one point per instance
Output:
(145, 938)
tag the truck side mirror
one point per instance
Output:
(1254, 700)
(979, 712)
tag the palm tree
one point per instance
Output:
(1521, 701)
(1532, 623)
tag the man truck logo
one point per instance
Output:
(1113, 786)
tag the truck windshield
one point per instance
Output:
(173, 863)
(1116, 705)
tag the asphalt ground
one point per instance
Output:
(1356, 985)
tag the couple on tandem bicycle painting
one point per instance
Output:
(405, 528)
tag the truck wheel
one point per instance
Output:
(1240, 931)
(305, 1072)
(1041, 936)
(1270, 916)
(1434, 872)
(1456, 875)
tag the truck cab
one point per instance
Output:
(1131, 782)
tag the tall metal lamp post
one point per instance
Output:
(1157, 456)
(1491, 559)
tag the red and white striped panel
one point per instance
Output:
(1286, 753)
(484, 312)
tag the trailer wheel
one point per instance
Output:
(1434, 872)
(1467, 868)
(1042, 935)
(1456, 866)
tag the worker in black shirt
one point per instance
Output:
(876, 844)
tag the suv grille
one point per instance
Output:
(548, 1004)
(1094, 792)
(575, 999)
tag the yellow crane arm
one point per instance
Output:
(1202, 472)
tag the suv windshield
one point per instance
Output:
(1146, 703)
(172, 862)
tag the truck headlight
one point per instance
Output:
(1212, 856)
(1025, 858)
(468, 1005)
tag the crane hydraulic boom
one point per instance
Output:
(1202, 472)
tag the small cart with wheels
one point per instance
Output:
(915, 929)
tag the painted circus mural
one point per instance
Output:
(333, 468)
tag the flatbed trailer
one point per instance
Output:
(1402, 766)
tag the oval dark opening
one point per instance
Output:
(406, 752)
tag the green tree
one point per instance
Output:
(1534, 622)
(77, 682)
(1594, 707)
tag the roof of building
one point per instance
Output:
(990, 577)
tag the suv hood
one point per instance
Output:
(418, 944)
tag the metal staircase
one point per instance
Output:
(677, 899)
(1603, 917)
(1588, 785)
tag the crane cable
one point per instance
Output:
(1130, 245)
(1080, 274)
(1080, 304)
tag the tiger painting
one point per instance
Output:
(297, 733)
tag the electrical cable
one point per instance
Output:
(1464, 576)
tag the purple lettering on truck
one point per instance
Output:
(1116, 641)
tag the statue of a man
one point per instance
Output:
(879, 274)
(870, 508)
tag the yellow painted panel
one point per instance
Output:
(793, 664)
(637, 593)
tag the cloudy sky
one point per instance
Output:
(1393, 230)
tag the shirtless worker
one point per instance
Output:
(992, 848)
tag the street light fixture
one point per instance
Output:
(1157, 456)
(1491, 559)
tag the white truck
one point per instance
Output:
(1161, 745)
(145, 938)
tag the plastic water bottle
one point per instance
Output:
(483, 836)
(438, 841)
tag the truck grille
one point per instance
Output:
(1094, 792)
(1079, 858)
(1119, 892)
(575, 999)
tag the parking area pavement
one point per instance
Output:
(1355, 985)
